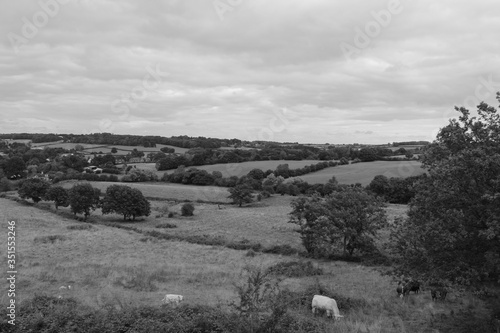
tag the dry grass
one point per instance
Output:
(113, 268)
(364, 173)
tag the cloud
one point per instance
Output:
(233, 77)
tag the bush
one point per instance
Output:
(295, 269)
(166, 226)
(80, 227)
(187, 209)
(286, 250)
(49, 239)
(5, 185)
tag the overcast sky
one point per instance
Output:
(311, 71)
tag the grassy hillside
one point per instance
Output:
(365, 172)
(121, 150)
(120, 269)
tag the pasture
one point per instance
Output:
(167, 191)
(235, 169)
(364, 173)
(116, 268)
(105, 149)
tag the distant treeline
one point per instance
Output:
(410, 143)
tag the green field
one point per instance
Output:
(105, 149)
(110, 267)
(167, 191)
(236, 169)
(364, 173)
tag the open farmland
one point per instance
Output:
(236, 169)
(111, 267)
(364, 173)
(105, 149)
(166, 191)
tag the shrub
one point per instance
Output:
(80, 227)
(49, 239)
(281, 249)
(187, 209)
(166, 226)
(5, 185)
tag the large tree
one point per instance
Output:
(59, 195)
(453, 229)
(83, 199)
(126, 201)
(241, 194)
(33, 188)
(346, 220)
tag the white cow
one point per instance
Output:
(326, 303)
(172, 299)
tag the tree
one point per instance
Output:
(256, 174)
(59, 195)
(114, 150)
(14, 166)
(83, 199)
(348, 219)
(453, 230)
(127, 201)
(187, 209)
(241, 194)
(33, 188)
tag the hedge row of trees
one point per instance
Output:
(194, 176)
(83, 198)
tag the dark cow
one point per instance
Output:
(438, 293)
(404, 288)
(413, 286)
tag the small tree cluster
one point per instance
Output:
(33, 188)
(83, 199)
(187, 209)
(126, 201)
(347, 219)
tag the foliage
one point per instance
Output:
(83, 199)
(33, 188)
(14, 166)
(5, 185)
(348, 219)
(453, 232)
(187, 209)
(59, 195)
(140, 175)
(241, 194)
(127, 201)
(395, 190)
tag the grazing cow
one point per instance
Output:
(438, 293)
(413, 286)
(173, 299)
(326, 303)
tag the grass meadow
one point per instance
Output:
(168, 191)
(364, 173)
(121, 150)
(109, 267)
